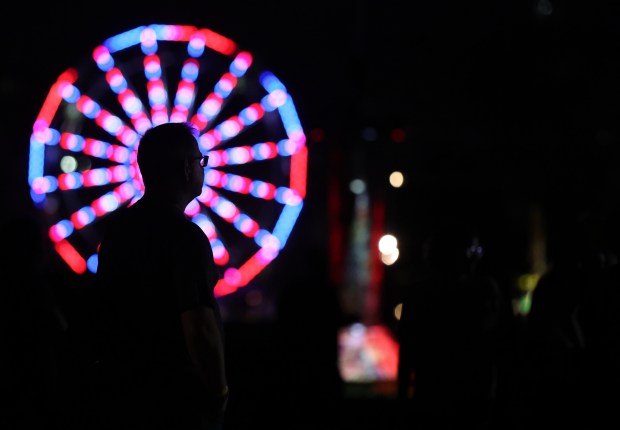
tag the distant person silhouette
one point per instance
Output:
(569, 304)
(447, 374)
(162, 352)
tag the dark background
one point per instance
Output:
(505, 105)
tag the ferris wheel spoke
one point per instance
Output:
(88, 214)
(95, 148)
(118, 83)
(232, 126)
(186, 91)
(211, 106)
(229, 212)
(104, 119)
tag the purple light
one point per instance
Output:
(226, 85)
(102, 57)
(61, 230)
(288, 196)
(265, 255)
(190, 70)
(109, 202)
(97, 148)
(44, 184)
(152, 67)
(196, 45)
(207, 141)
(116, 80)
(72, 142)
(148, 41)
(277, 98)
(84, 217)
(69, 181)
(241, 63)
(218, 250)
(232, 276)
(264, 151)
(90, 108)
(126, 191)
(96, 177)
(226, 210)
(69, 93)
(239, 155)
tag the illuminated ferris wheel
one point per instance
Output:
(82, 161)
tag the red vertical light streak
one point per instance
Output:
(336, 234)
(376, 266)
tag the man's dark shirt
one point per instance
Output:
(154, 264)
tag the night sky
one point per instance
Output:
(504, 104)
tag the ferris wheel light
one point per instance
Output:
(239, 155)
(119, 173)
(269, 242)
(252, 113)
(196, 45)
(88, 107)
(130, 102)
(208, 140)
(102, 57)
(44, 185)
(106, 203)
(220, 254)
(159, 114)
(192, 208)
(92, 263)
(96, 148)
(287, 196)
(283, 227)
(238, 184)
(263, 190)
(126, 191)
(270, 82)
(212, 105)
(124, 40)
(156, 92)
(230, 128)
(205, 224)
(266, 255)
(134, 109)
(241, 63)
(82, 217)
(60, 230)
(246, 225)
(69, 181)
(96, 177)
(232, 276)
(185, 95)
(116, 80)
(264, 151)
(152, 67)
(148, 41)
(190, 70)
(225, 85)
(274, 100)
(289, 146)
(69, 93)
(72, 142)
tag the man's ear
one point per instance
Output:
(187, 170)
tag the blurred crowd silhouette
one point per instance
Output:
(466, 357)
